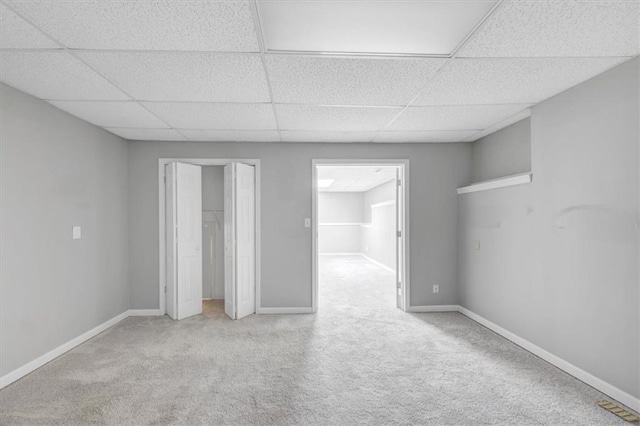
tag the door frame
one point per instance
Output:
(403, 164)
(162, 282)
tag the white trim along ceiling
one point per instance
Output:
(368, 71)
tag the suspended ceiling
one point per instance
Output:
(309, 71)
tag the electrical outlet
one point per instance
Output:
(476, 245)
(436, 289)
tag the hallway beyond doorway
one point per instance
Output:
(349, 282)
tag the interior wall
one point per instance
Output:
(558, 262)
(339, 220)
(213, 232)
(436, 170)
(503, 153)
(379, 235)
(58, 172)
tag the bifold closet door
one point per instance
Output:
(184, 240)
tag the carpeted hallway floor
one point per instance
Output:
(358, 361)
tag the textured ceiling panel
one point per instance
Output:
(509, 81)
(146, 25)
(348, 81)
(215, 116)
(309, 136)
(309, 117)
(424, 136)
(473, 117)
(55, 75)
(111, 114)
(232, 135)
(181, 76)
(148, 134)
(16, 33)
(551, 28)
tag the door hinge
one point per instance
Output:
(399, 182)
(165, 288)
(399, 233)
(398, 285)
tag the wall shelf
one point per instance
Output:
(502, 182)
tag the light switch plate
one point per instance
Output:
(307, 222)
(77, 232)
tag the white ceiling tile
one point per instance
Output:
(471, 117)
(426, 137)
(111, 114)
(403, 27)
(348, 81)
(148, 134)
(310, 117)
(215, 116)
(16, 33)
(146, 25)
(319, 136)
(55, 75)
(183, 76)
(509, 81)
(551, 28)
(232, 135)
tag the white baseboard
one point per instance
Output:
(273, 311)
(434, 308)
(143, 312)
(20, 372)
(604, 387)
(385, 267)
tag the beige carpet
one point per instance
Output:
(358, 361)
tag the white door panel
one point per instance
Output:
(245, 244)
(170, 232)
(229, 246)
(240, 241)
(184, 240)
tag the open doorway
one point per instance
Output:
(209, 237)
(360, 221)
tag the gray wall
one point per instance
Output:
(436, 170)
(379, 238)
(57, 172)
(339, 207)
(559, 259)
(212, 188)
(503, 153)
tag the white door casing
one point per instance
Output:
(399, 240)
(186, 191)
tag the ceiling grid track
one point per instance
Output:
(339, 89)
(261, 44)
(452, 57)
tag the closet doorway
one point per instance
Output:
(209, 236)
